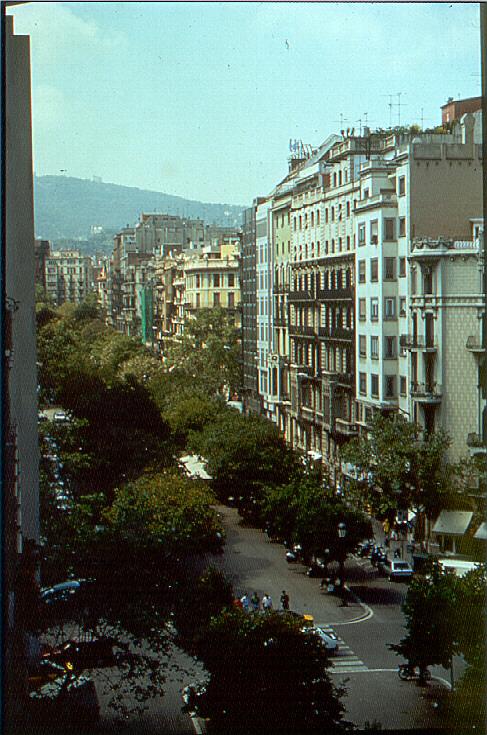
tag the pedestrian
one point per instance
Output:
(255, 602)
(237, 603)
(285, 600)
(267, 603)
(245, 602)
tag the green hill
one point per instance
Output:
(66, 207)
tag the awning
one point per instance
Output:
(453, 522)
(195, 466)
(314, 455)
(481, 532)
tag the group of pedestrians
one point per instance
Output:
(255, 604)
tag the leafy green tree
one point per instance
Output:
(266, 675)
(445, 616)
(430, 611)
(400, 468)
(208, 354)
(192, 414)
(245, 454)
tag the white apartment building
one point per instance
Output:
(264, 311)
(417, 266)
(69, 276)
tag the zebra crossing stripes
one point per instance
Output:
(344, 661)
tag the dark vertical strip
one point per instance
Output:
(3, 590)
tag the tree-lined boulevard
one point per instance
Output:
(161, 557)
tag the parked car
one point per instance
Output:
(61, 417)
(316, 569)
(397, 569)
(329, 639)
(83, 654)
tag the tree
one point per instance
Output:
(208, 353)
(192, 414)
(245, 454)
(445, 616)
(266, 675)
(400, 468)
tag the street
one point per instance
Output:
(364, 664)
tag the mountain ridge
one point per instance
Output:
(67, 207)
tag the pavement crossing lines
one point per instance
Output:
(344, 661)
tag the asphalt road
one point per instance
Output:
(364, 664)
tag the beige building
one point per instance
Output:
(212, 278)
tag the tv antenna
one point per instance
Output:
(341, 120)
(392, 104)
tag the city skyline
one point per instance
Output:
(121, 93)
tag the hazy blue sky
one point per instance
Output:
(201, 99)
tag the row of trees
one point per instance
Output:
(137, 527)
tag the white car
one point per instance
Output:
(329, 639)
(397, 569)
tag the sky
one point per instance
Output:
(201, 99)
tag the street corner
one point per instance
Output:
(401, 705)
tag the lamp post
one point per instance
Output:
(342, 532)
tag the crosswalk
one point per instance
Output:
(345, 661)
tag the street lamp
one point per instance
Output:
(342, 532)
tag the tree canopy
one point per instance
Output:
(266, 675)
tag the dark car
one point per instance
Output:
(83, 654)
(316, 569)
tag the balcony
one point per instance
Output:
(345, 427)
(302, 331)
(417, 342)
(474, 344)
(335, 333)
(295, 296)
(476, 444)
(335, 294)
(426, 392)
(311, 414)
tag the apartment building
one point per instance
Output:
(212, 278)
(249, 310)
(264, 305)
(321, 301)
(69, 276)
(42, 249)
(418, 282)
(166, 233)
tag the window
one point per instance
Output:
(403, 385)
(216, 299)
(231, 299)
(361, 271)
(374, 269)
(334, 179)
(374, 309)
(402, 226)
(402, 267)
(312, 219)
(389, 347)
(389, 269)
(197, 300)
(300, 222)
(374, 385)
(374, 232)
(326, 214)
(362, 384)
(390, 386)
(348, 242)
(339, 178)
(348, 208)
(294, 224)
(332, 245)
(402, 186)
(216, 279)
(389, 308)
(362, 341)
(374, 348)
(339, 212)
(366, 193)
(231, 280)
(389, 229)
(361, 234)
(362, 307)
(318, 217)
(402, 306)
(333, 214)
